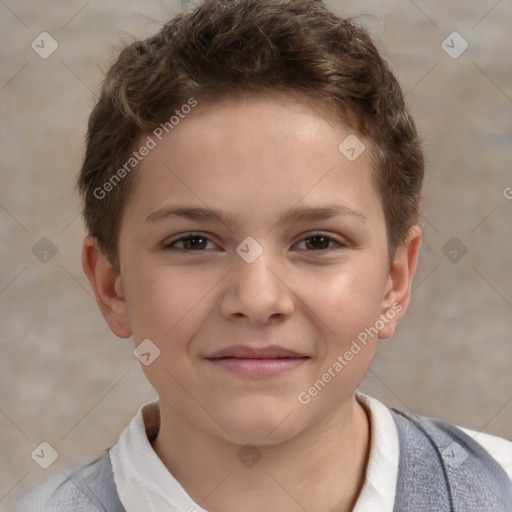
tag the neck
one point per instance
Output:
(321, 469)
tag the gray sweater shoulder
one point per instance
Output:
(90, 488)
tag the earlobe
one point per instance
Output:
(107, 286)
(399, 283)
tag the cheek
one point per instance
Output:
(346, 306)
(167, 306)
(163, 300)
(347, 300)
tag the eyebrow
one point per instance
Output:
(293, 215)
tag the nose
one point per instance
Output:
(257, 292)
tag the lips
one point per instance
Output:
(246, 352)
(257, 363)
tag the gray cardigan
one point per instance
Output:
(441, 469)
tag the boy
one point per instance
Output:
(251, 189)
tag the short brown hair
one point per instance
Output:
(226, 47)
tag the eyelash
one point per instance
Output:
(171, 245)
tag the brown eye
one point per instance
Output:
(193, 242)
(320, 242)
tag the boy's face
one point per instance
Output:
(256, 160)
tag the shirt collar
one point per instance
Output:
(155, 488)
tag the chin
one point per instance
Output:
(259, 424)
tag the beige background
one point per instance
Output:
(67, 380)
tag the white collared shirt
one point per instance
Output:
(155, 489)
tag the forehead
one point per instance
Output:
(256, 154)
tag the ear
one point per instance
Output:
(107, 286)
(397, 292)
